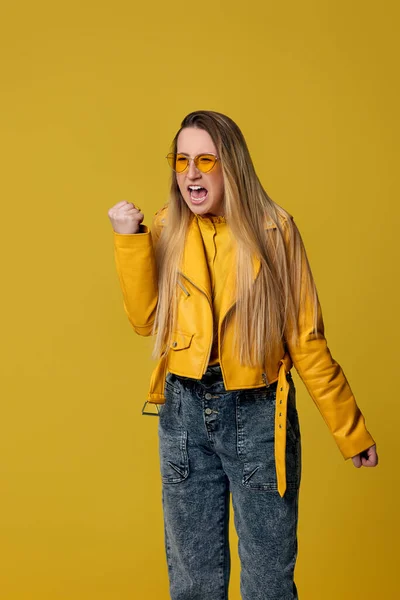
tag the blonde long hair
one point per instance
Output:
(269, 309)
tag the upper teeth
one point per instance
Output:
(195, 187)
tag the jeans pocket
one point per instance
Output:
(255, 423)
(174, 460)
(255, 413)
(172, 386)
(172, 393)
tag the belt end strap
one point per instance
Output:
(280, 428)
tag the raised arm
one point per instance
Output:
(136, 268)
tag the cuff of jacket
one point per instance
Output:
(128, 239)
(358, 442)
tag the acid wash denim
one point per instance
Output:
(213, 443)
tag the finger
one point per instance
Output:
(129, 207)
(125, 203)
(368, 462)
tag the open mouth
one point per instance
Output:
(197, 193)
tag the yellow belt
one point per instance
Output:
(282, 392)
(156, 395)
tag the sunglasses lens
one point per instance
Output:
(171, 160)
(181, 163)
(205, 162)
(177, 162)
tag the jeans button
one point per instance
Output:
(208, 396)
(208, 411)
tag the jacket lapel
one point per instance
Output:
(194, 261)
(194, 267)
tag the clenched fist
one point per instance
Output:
(125, 217)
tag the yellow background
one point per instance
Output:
(91, 96)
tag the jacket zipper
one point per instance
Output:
(264, 376)
(183, 288)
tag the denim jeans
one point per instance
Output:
(214, 443)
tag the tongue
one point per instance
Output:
(199, 193)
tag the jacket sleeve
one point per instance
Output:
(137, 273)
(322, 375)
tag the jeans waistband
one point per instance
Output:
(213, 375)
(214, 370)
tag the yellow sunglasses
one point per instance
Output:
(180, 162)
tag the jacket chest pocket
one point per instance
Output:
(179, 343)
(180, 340)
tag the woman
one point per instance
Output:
(223, 281)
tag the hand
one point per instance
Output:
(366, 458)
(125, 217)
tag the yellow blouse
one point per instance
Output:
(217, 242)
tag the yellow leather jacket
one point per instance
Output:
(190, 345)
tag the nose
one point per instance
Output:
(192, 171)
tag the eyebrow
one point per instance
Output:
(186, 154)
